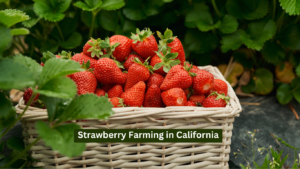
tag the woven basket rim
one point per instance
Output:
(231, 110)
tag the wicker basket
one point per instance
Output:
(144, 155)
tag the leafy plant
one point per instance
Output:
(58, 93)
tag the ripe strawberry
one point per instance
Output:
(216, 100)
(168, 41)
(93, 49)
(134, 96)
(27, 95)
(108, 72)
(220, 87)
(86, 82)
(190, 103)
(177, 77)
(162, 62)
(153, 97)
(155, 78)
(130, 59)
(174, 97)
(197, 99)
(115, 91)
(106, 87)
(116, 102)
(120, 47)
(100, 92)
(144, 43)
(82, 58)
(137, 72)
(203, 82)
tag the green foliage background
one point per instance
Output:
(259, 34)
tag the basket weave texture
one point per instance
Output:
(144, 155)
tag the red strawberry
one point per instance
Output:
(115, 91)
(155, 60)
(27, 95)
(137, 72)
(177, 77)
(220, 87)
(129, 60)
(197, 99)
(162, 62)
(100, 92)
(116, 102)
(153, 97)
(155, 78)
(42, 64)
(173, 43)
(193, 69)
(134, 96)
(144, 43)
(203, 82)
(120, 47)
(86, 82)
(190, 103)
(108, 72)
(93, 49)
(82, 58)
(216, 100)
(174, 97)
(106, 87)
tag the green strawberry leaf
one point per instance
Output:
(109, 20)
(232, 41)
(10, 17)
(34, 67)
(86, 18)
(258, 33)
(89, 5)
(31, 22)
(87, 106)
(8, 120)
(133, 11)
(54, 106)
(49, 45)
(15, 143)
(51, 10)
(19, 31)
(18, 77)
(273, 53)
(28, 9)
(200, 42)
(6, 39)
(73, 41)
(290, 37)
(6, 106)
(263, 80)
(193, 15)
(61, 87)
(61, 138)
(55, 67)
(284, 94)
(247, 9)
(229, 24)
(205, 21)
(296, 88)
(112, 4)
(292, 7)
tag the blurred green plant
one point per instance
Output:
(263, 36)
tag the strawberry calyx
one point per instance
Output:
(96, 48)
(65, 55)
(86, 66)
(166, 38)
(220, 96)
(188, 68)
(105, 44)
(146, 64)
(141, 35)
(168, 61)
(46, 56)
(121, 103)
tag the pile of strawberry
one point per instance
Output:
(139, 72)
